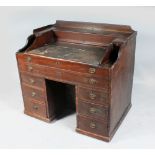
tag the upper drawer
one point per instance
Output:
(63, 64)
(33, 80)
(93, 96)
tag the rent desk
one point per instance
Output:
(79, 67)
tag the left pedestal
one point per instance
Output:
(34, 95)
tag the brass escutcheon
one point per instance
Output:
(92, 70)
(35, 107)
(92, 110)
(92, 96)
(33, 94)
(92, 125)
(32, 81)
(92, 81)
(30, 68)
(28, 59)
(57, 62)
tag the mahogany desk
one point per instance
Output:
(82, 67)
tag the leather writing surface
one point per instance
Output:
(81, 54)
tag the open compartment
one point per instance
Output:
(60, 98)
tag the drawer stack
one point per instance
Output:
(92, 106)
(34, 93)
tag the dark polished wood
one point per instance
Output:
(82, 67)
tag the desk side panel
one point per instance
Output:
(121, 84)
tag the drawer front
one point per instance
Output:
(39, 70)
(33, 93)
(85, 79)
(35, 108)
(92, 126)
(32, 80)
(93, 96)
(91, 110)
(66, 65)
(66, 76)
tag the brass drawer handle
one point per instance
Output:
(30, 68)
(32, 81)
(92, 125)
(33, 94)
(35, 107)
(92, 81)
(92, 70)
(57, 62)
(92, 96)
(93, 110)
(28, 59)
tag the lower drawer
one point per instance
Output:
(91, 125)
(35, 108)
(92, 110)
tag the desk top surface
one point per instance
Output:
(72, 52)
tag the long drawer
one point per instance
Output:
(63, 75)
(62, 64)
(92, 110)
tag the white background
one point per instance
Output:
(20, 131)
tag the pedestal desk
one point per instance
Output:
(79, 66)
